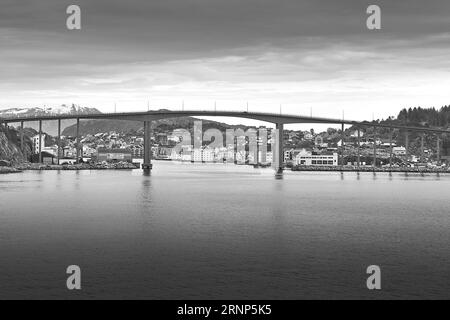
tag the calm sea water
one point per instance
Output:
(223, 231)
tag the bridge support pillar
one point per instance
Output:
(280, 149)
(374, 164)
(40, 141)
(59, 141)
(147, 165)
(78, 143)
(359, 148)
(390, 147)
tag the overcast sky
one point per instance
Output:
(300, 54)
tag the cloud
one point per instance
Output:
(297, 53)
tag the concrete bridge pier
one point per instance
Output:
(147, 165)
(390, 147)
(359, 148)
(78, 143)
(374, 165)
(40, 140)
(280, 149)
(58, 156)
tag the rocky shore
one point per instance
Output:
(4, 170)
(370, 169)
(81, 166)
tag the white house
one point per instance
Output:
(306, 158)
(38, 144)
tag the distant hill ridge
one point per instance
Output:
(38, 111)
(127, 126)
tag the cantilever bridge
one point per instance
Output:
(276, 118)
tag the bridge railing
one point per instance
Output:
(198, 112)
(159, 111)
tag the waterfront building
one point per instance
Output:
(308, 158)
(47, 158)
(38, 143)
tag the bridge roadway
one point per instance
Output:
(278, 119)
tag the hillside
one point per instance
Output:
(426, 116)
(10, 146)
(126, 126)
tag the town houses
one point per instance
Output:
(301, 148)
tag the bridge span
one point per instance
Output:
(278, 119)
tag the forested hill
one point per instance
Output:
(426, 116)
(127, 126)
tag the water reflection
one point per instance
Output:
(144, 201)
(200, 231)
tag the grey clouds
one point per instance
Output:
(300, 54)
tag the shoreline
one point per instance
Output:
(8, 170)
(129, 166)
(69, 167)
(370, 169)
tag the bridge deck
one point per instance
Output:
(275, 118)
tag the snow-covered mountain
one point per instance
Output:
(63, 109)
